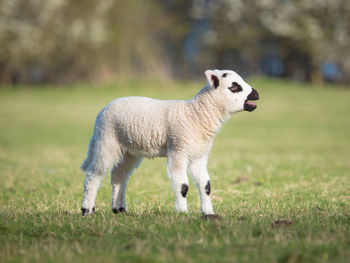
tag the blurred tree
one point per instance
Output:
(62, 40)
(315, 31)
(39, 39)
(319, 28)
(66, 40)
(236, 27)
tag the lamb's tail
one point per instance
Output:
(89, 157)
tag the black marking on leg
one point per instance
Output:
(119, 210)
(86, 211)
(207, 188)
(184, 190)
(122, 210)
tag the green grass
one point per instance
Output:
(292, 156)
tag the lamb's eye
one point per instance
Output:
(235, 87)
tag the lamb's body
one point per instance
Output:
(131, 128)
(141, 130)
(136, 125)
(153, 128)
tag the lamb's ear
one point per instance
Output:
(213, 78)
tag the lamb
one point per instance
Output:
(129, 129)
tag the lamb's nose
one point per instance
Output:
(254, 95)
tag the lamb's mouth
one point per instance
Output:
(249, 105)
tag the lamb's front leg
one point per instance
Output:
(199, 173)
(177, 172)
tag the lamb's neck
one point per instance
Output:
(206, 112)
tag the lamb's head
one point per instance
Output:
(234, 93)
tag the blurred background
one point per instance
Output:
(65, 41)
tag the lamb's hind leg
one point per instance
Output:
(119, 179)
(103, 156)
(91, 185)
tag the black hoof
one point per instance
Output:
(120, 210)
(86, 211)
(211, 217)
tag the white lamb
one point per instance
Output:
(131, 128)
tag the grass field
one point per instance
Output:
(288, 160)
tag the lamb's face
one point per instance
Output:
(232, 90)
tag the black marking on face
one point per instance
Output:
(248, 104)
(215, 81)
(235, 87)
(224, 75)
(207, 188)
(184, 190)
(254, 95)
